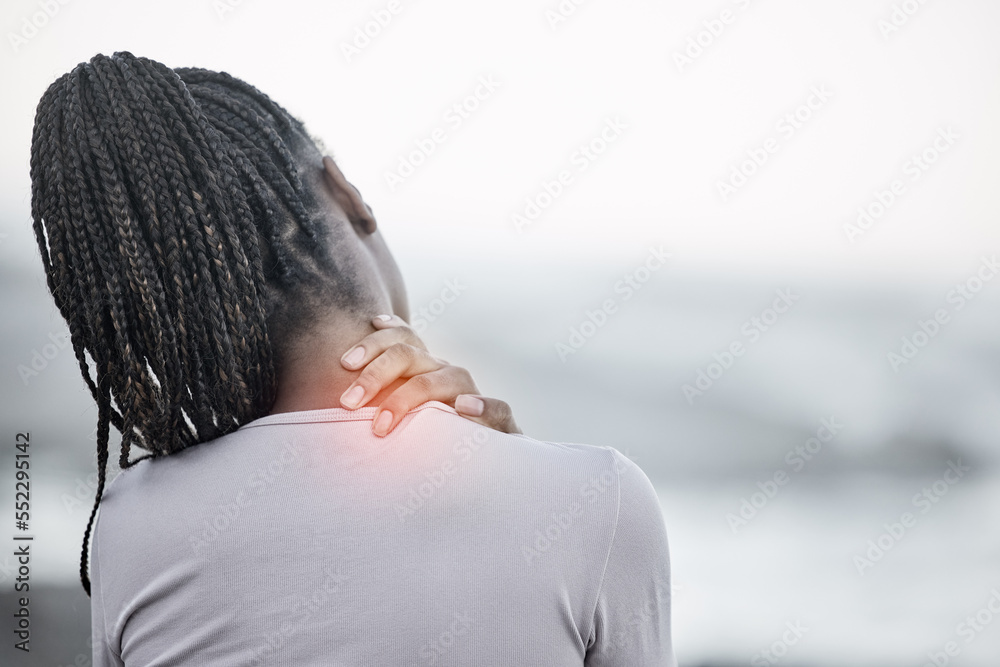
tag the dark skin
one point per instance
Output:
(352, 360)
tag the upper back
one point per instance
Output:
(302, 538)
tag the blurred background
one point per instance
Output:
(750, 243)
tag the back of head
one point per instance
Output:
(178, 241)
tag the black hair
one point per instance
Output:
(177, 238)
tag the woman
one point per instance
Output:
(218, 270)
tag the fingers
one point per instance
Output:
(390, 332)
(442, 385)
(490, 412)
(395, 351)
(399, 360)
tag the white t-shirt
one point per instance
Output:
(302, 539)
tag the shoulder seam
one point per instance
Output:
(614, 533)
(100, 585)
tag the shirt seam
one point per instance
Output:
(327, 415)
(100, 588)
(611, 544)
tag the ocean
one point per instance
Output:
(786, 444)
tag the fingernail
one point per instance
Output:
(382, 423)
(353, 396)
(383, 318)
(354, 356)
(469, 405)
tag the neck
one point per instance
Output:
(311, 376)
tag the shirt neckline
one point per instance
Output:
(335, 415)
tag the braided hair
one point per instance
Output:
(177, 239)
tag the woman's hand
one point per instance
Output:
(395, 351)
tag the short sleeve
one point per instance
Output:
(103, 655)
(632, 616)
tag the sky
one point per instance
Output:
(741, 135)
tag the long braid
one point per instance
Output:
(173, 226)
(139, 392)
(50, 176)
(175, 149)
(158, 137)
(163, 339)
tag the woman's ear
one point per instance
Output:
(358, 212)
